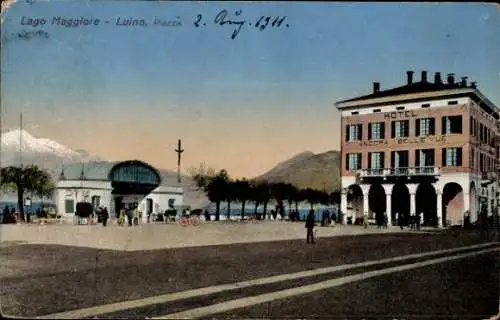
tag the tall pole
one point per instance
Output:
(1, 134)
(179, 151)
(21, 140)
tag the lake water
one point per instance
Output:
(235, 209)
(249, 211)
(29, 210)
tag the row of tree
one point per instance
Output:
(219, 188)
(26, 180)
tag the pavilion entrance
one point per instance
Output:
(131, 182)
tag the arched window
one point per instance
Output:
(134, 173)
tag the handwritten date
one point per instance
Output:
(222, 19)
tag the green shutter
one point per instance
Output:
(69, 206)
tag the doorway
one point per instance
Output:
(118, 205)
(149, 206)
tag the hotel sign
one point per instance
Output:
(374, 142)
(399, 115)
(426, 139)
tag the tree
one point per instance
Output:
(290, 195)
(23, 180)
(230, 196)
(44, 190)
(253, 196)
(298, 197)
(202, 175)
(243, 194)
(335, 197)
(279, 193)
(216, 188)
(312, 196)
(262, 194)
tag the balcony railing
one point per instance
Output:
(398, 172)
(489, 175)
(426, 171)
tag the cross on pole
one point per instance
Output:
(179, 151)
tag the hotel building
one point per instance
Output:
(425, 147)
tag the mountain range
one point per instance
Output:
(308, 170)
(305, 170)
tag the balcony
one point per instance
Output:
(488, 176)
(400, 172)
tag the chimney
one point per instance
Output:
(463, 83)
(376, 87)
(409, 76)
(451, 78)
(437, 78)
(424, 76)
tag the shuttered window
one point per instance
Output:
(69, 206)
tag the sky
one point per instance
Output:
(243, 104)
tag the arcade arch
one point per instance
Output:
(355, 201)
(400, 202)
(453, 204)
(377, 202)
(426, 203)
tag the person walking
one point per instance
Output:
(310, 223)
(135, 213)
(121, 217)
(130, 214)
(420, 220)
(365, 221)
(412, 221)
(385, 220)
(399, 217)
(105, 216)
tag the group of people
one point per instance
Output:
(415, 220)
(132, 214)
(381, 221)
(103, 213)
(326, 218)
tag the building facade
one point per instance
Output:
(427, 147)
(115, 185)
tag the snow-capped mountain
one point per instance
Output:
(11, 141)
(45, 153)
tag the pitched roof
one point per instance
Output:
(99, 170)
(416, 87)
(420, 91)
(96, 170)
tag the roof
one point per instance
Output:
(422, 90)
(98, 170)
(416, 87)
